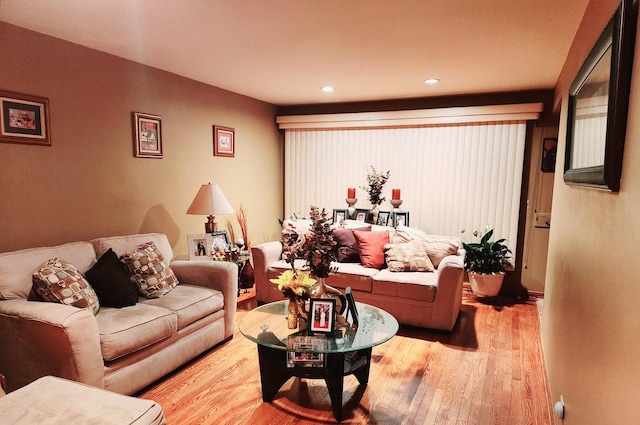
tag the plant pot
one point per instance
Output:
(486, 285)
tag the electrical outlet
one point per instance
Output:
(543, 220)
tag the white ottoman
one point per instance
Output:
(51, 400)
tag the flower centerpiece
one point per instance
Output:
(486, 262)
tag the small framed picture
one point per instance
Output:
(220, 240)
(322, 314)
(147, 135)
(199, 246)
(361, 215)
(306, 358)
(25, 119)
(340, 215)
(224, 141)
(352, 309)
(400, 218)
(549, 148)
(383, 218)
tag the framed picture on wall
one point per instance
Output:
(199, 246)
(147, 135)
(224, 141)
(25, 119)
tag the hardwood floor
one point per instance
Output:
(488, 371)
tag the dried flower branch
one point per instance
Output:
(376, 181)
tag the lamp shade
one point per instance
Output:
(209, 201)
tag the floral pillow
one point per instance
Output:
(147, 270)
(437, 247)
(59, 281)
(407, 257)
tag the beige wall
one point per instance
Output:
(591, 324)
(88, 183)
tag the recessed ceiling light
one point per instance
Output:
(432, 81)
(327, 89)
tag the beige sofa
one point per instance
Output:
(425, 299)
(119, 349)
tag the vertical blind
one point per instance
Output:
(452, 177)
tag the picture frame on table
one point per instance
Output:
(24, 119)
(599, 105)
(199, 246)
(383, 218)
(147, 135)
(305, 358)
(361, 215)
(340, 215)
(400, 218)
(224, 141)
(220, 239)
(322, 315)
(352, 310)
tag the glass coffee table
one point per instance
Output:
(284, 353)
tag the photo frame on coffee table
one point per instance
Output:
(199, 246)
(323, 315)
(352, 309)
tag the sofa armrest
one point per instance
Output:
(263, 255)
(448, 300)
(219, 275)
(43, 338)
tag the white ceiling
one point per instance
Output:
(284, 51)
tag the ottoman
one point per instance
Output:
(51, 400)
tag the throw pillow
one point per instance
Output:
(347, 245)
(59, 281)
(147, 270)
(437, 246)
(111, 282)
(370, 247)
(408, 257)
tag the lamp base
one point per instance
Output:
(211, 225)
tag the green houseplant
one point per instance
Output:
(486, 262)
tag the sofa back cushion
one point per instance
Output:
(122, 244)
(17, 267)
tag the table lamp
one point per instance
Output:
(209, 201)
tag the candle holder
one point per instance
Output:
(396, 203)
(351, 202)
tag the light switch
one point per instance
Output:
(543, 220)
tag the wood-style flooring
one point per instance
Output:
(488, 371)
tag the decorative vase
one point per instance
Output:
(322, 290)
(374, 214)
(486, 285)
(246, 276)
(292, 314)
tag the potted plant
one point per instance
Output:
(486, 262)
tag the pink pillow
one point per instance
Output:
(371, 247)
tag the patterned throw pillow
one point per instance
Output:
(437, 246)
(147, 270)
(407, 257)
(59, 281)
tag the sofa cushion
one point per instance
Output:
(129, 329)
(370, 247)
(437, 246)
(123, 244)
(148, 271)
(407, 257)
(347, 245)
(189, 302)
(413, 286)
(57, 280)
(111, 282)
(16, 267)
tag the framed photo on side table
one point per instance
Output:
(24, 119)
(147, 131)
(199, 246)
(224, 141)
(322, 314)
(220, 240)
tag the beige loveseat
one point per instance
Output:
(119, 349)
(425, 299)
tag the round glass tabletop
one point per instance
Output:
(267, 325)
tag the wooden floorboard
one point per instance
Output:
(489, 370)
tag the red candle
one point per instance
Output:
(395, 194)
(351, 192)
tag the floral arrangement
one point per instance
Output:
(294, 284)
(376, 181)
(320, 248)
(487, 256)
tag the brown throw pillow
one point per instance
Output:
(347, 245)
(59, 281)
(147, 270)
(370, 247)
(408, 257)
